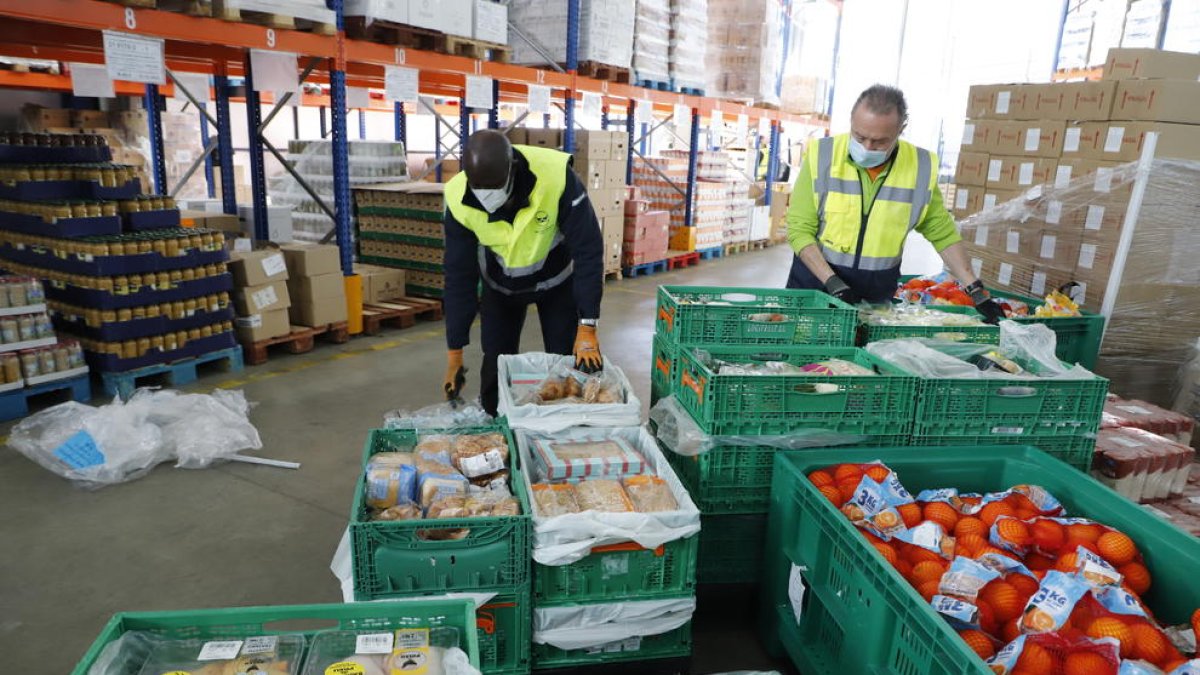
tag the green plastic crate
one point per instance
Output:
(989, 335)
(1076, 451)
(732, 405)
(662, 367)
(861, 616)
(620, 572)
(809, 317)
(1026, 408)
(733, 479)
(505, 629)
(396, 559)
(731, 549)
(243, 622)
(670, 645)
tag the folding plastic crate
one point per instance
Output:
(731, 405)
(672, 644)
(504, 625)
(413, 557)
(1076, 451)
(731, 549)
(858, 615)
(978, 334)
(242, 622)
(620, 572)
(662, 367)
(753, 316)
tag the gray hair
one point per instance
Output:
(883, 100)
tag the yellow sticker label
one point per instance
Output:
(410, 661)
(345, 668)
(178, 672)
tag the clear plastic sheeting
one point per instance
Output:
(98, 446)
(1187, 385)
(651, 41)
(127, 654)
(597, 625)
(689, 43)
(605, 31)
(564, 539)
(677, 430)
(1068, 232)
(1030, 345)
(449, 415)
(745, 39)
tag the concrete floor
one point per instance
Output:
(240, 534)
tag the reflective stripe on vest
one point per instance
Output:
(520, 247)
(838, 193)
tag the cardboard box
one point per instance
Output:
(544, 138)
(320, 312)
(1084, 140)
(593, 144)
(380, 284)
(491, 22)
(1129, 64)
(968, 199)
(35, 118)
(279, 222)
(1043, 138)
(1008, 138)
(979, 135)
(255, 268)
(997, 101)
(620, 146)
(264, 298)
(972, 170)
(1158, 101)
(682, 238)
(993, 197)
(636, 206)
(614, 174)
(1014, 173)
(309, 260)
(1045, 102)
(211, 221)
(1088, 101)
(518, 136)
(306, 290)
(1124, 141)
(89, 119)
(259, 327)
(1073, 169)
(607, 202)
(612, 224)
(591, 174)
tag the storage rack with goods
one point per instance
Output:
(73, 31)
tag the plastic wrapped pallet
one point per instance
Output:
(605, 31)
(595, 625)
(567, 538)
(745, 39)
(551, 417)
(651, 41)
(311, 10)
(1071, 231)
(689, 43)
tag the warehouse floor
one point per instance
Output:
(254, 535)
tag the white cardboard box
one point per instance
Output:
(279, 222)
(491, 22)
(395, 11)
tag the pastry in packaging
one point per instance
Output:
(555, 499)
(436, 448)
(391, 479)
(610, 457)
(491, 505)
(602, 494)
(649, 494)
(383, 652)
(262, 655)
(407, 511)
(447, 507)
(479, 455)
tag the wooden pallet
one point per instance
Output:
(176, 374)
(759, 244)
(279, 21)
(411, 37)
(681, 259)
(603, 71)
(401, 313)
(613, 275)
(144, 4)
(15, 404)
(301, 340)
(737, 247)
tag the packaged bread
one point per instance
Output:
(479, 454)
(391, 479)
(447, 507)
(555, 499)
(280, 657)
(407, 511)
(435, 447)
(602, 494)
(492, 482)
(436, 480)
(489, 504)
(649, 494)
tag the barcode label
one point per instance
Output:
(263, 644)
(221, 650)
(994, 167)
(1127, 442)
(1038, 285)
(1135, 409)
(1025, 176)
(981, 235)
(1071, 140)
(1049, 243)
(968, 134)
(1087, 255)
(1033, 138)
(1005, 276)
(412, 639)
(1113, 142)
(1014, 241)
(977, 266)
(1095, 217)
(1062, 178)
(374, 643)
(1054, 212)
(1104, 176)
(1008, 431)
(960, 198)
(1002, 101)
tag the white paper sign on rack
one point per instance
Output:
(764, 127)
(716, 122)
(196, 85)
(592, 104)
(274, 71)
(401, 84)
(479, 92)
(644, 112)
(134, 58)
(89, 80)
(743, 126)
(358, 97)
(539, 99)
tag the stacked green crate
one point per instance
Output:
(623, 573)
(424, 558)
(730, 483)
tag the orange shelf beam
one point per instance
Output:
(50, 82)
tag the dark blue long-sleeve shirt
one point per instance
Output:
(583, 246)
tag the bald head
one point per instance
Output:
(488, 159)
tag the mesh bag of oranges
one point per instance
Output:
(1027, 588)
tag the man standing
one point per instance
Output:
(856, 199)
(519, 219)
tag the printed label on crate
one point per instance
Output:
(632, 644)
(220, 650)
(264, 298)
(80, 451)
(274, 264)
(262, 644)
(413, 638)
(614, 566)
(374, 643)
(1008, 431)
(1071, 140)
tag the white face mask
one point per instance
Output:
(491, 199)
(867, 159)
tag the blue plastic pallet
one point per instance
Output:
(176, 374)
(644, 268)
(710, 253)
(15, 404)
(690, 91)
(654, 84)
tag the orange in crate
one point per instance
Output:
(1085, 531)
(1013, 531)
(928, 590)
(833, 494)
(1025, 585)
(878, 472)
(970, 525)
(1067, 562)
(916, 554)
(1004, 599)
(1117, 548)
(887, 552)
(911, 513)
(991, 512)
(820, 478)
(1038, 562)
(904, 567)
(1087, 663)
(1047, 535)
(1011, 631)
(942, 514)
(969, 544)
(987, 617)
(1037, 659)
(1113, 628)
(979, 643)
(1150, 644)
(1136, 576)
(1073, 544)
(847, 471)
(927, 570)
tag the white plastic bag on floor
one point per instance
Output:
(584, 626)
(122, 441)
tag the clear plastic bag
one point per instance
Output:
(449, 415)
(127, 654)
(199, 429)
(519, 373)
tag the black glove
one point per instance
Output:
(838, 289)
(990, 309)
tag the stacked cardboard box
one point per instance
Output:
(381, 284)
(605, 31)
(1068, 223)
(781, 195)
(745, 38)
(483, 20)
(689, 43)
(660, 181)
(315, 285)
(260, 294)
(651, 41)
(647, 233)
(399, 225)
(601, 159)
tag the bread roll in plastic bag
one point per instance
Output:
(555, 499)
(602, 494)
(649, 494)
(408, 511)
(391, 479)
(479, 454)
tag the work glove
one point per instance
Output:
(587, 350)
(838, 289)
(990, 309)
(456, 375)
